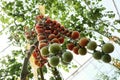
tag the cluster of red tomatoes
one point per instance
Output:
(52, 35)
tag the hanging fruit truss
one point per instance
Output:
(56, 45)
(55, 41)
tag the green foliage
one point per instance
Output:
(103, 76)
(10, 68)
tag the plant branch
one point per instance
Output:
(56, 73)
(40, 71)
(24, 71)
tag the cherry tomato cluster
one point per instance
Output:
(39, 60)
(51, 35)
